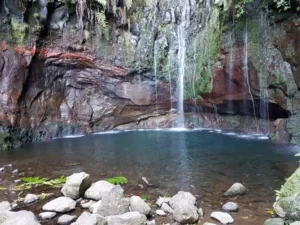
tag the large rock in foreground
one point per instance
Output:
(18, 218)
(61, 204)
(137, 204)
(130, 218)
(288, 207)
(76, 185)
(274, 221)
(113, 203)
(97, 190)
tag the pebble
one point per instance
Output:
(160, 212)
(65, 219)
(15, 171)
(230, 207)
(30, 198)
(47, 215)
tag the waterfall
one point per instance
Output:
(182, 35)
(231, 65)
(245, 69)
(156, 82)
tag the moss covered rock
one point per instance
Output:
(288, 202)
(5, 141)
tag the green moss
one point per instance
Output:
(18, 30)
(291, 188)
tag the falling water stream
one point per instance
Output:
(246, 70)
(182, 35)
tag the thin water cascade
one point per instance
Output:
(231, 65)
(264, 107)
(156, 82)
(246, 69)
(170, 84)
(182, 35)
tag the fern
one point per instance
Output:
(100, 16)
(29, 181)
(117, 180)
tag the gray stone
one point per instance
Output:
(47, 215)
(181, 195)
(159, 212)
(200, 212)
(30, 198)
(61, 204)
(209, 223)
(94, 207)
(100, 220)
(230, 207)
(162, 200)
(18, 218)
(86, 219)
(76, 185)
(185, 212)
(222, 217)
(288, 207)
(137, 204)
(236, 189)
(65, 219)
(5, 206)
(113, 202)
(152, 222)
(295, 223)
(274, 221)
(130, 218)
(87, 204)
(15, 171)
(166, 208)
(97, 189)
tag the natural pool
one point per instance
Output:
(204, 162)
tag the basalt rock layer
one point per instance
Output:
(63, 71)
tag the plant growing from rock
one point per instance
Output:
(117, 180)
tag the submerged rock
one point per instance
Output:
(97, 190)
(61, 204)
(222, 217)
(76, 185)
(5, 206)
(274, 221)
(236, 189)
(30, 198)
(230, 207)
(137, 204)
(130, 218)
(18, 218)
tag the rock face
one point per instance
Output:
(76, 185)
(130, 218)
(61, 204)
(98, 189)
(77, 83)
(18, 218)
